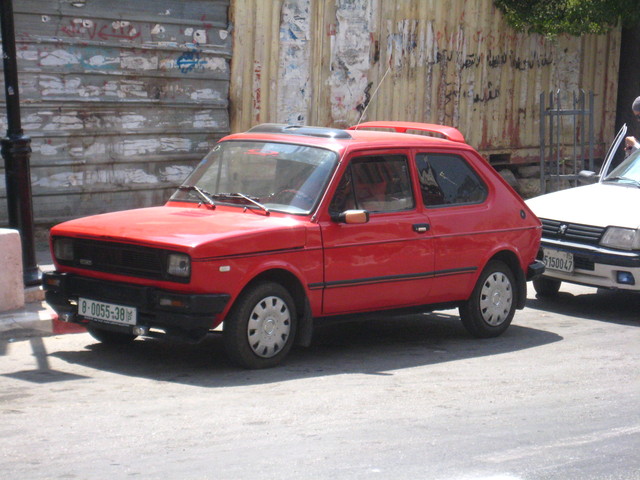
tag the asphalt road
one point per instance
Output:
(556, 397)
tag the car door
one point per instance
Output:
(386, 262)
(463, 227)
(611, 153)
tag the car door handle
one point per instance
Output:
(421, 227)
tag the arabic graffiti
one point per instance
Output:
(402, 55)
(488, 94)
(492, 59)
(451, 92)
(417, 43)
(475, 61)
(86, 28)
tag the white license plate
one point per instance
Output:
(557, 260)
(107, 312)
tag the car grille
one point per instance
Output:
(583, 263)
(118, 258)
(571, 231)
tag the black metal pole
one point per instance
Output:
(16, 151)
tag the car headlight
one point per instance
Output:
(63, 249)
(622, 238)
(178, 265)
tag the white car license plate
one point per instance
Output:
(557, 260)
(107, 312)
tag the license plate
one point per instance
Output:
(557, 260)
(107, 312)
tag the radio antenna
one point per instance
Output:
(344, 152)
(375, 92)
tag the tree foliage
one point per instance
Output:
(574, 17)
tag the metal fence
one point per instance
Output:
(566, 138)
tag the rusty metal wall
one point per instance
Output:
(455, 62)
(120, 98)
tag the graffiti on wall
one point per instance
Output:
(119, 109)
(132, 32)
(295, 35)
(351, 43)
(454, 65)
(100, 30)
(414, 43)
(190, 40)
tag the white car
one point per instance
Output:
(591, 234)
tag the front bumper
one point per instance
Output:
(160, 312)
(597, 266)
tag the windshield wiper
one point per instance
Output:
(203, 194)
(622, 179)
(238, 195)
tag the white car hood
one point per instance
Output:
(601, 204)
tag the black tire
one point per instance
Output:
(546, 287)
(490, 309)
(110, 337)
(261, 326)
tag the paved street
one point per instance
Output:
(556, 397)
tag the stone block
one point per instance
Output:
(529, 187)
(529, 171)
(11, 279)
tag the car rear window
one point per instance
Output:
(447, 179)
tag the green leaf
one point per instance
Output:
(573, 17)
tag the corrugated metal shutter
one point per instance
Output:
(120, 98)
(452, 62)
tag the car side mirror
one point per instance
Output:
(351, 217)
(587, 177)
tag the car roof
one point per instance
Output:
(386, 134)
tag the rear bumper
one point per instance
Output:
(535, 270)
(189, 316)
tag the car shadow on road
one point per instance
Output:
(619, 307)
(375, 347)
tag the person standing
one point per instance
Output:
(631, 144)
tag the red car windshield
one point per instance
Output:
(276, 176)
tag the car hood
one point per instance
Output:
(601, 204)
(201, 232)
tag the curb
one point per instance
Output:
(34, 319)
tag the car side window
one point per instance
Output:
(378, 183)
(447, 179)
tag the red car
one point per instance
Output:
(284, 225)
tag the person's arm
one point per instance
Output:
(631, 144)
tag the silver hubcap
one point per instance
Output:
(269, 327)
(496, 298)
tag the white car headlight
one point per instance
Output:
(623, 238)
(63, 249)
(179, 265)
